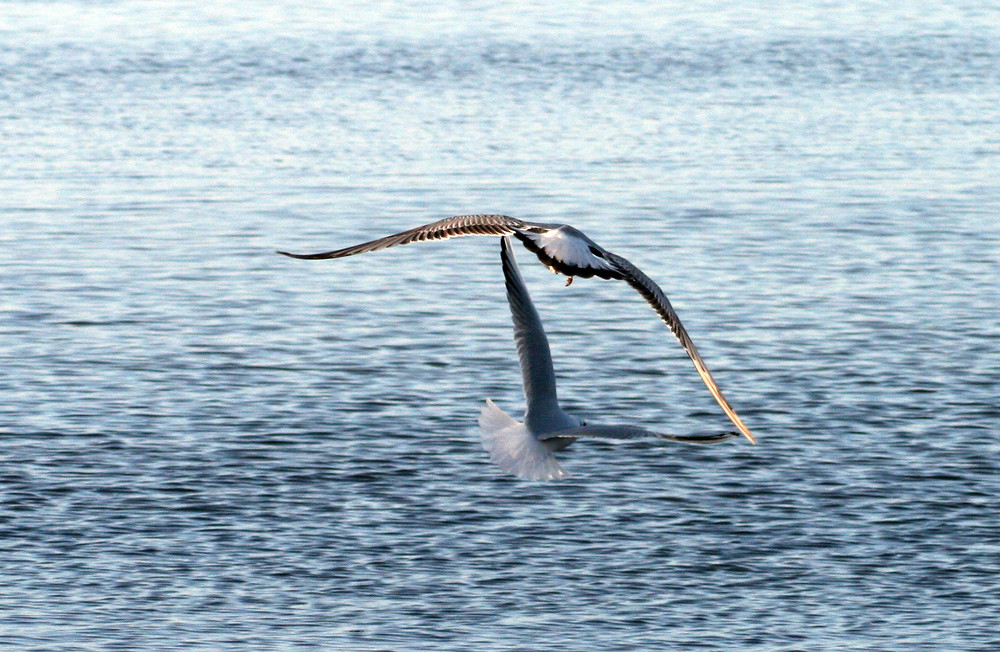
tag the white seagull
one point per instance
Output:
(525, 448)
(564, 250)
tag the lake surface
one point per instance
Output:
(206, 446)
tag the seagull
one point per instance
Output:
(525, 448)
(564, 250)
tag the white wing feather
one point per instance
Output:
(532, 345)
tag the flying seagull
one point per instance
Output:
(525, 448)
(564, 250)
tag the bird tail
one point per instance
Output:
(514, 448)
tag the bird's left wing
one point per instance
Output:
(631, 433)
(451, 227)
(652, 293)
(533, 351)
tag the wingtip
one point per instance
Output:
(299, 256)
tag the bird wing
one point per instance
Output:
(631, 433)
(652, 293)
(529, 335)
(451, 227)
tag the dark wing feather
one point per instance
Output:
(652, 293)
(452, 227)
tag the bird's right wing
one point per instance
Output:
(653, 295)
(631, 433)
(451, 227)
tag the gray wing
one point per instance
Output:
(652, 293)
(632, 433)
(451, 227)
(532, 345)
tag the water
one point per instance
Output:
(207, 446)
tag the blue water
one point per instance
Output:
(207, 446)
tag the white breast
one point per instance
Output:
(569, 246)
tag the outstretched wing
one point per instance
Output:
(529, 335)
(451, 227)
(652, 293)
(631, 433)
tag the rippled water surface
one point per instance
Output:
(208, 446)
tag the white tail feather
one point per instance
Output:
(514, 448)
